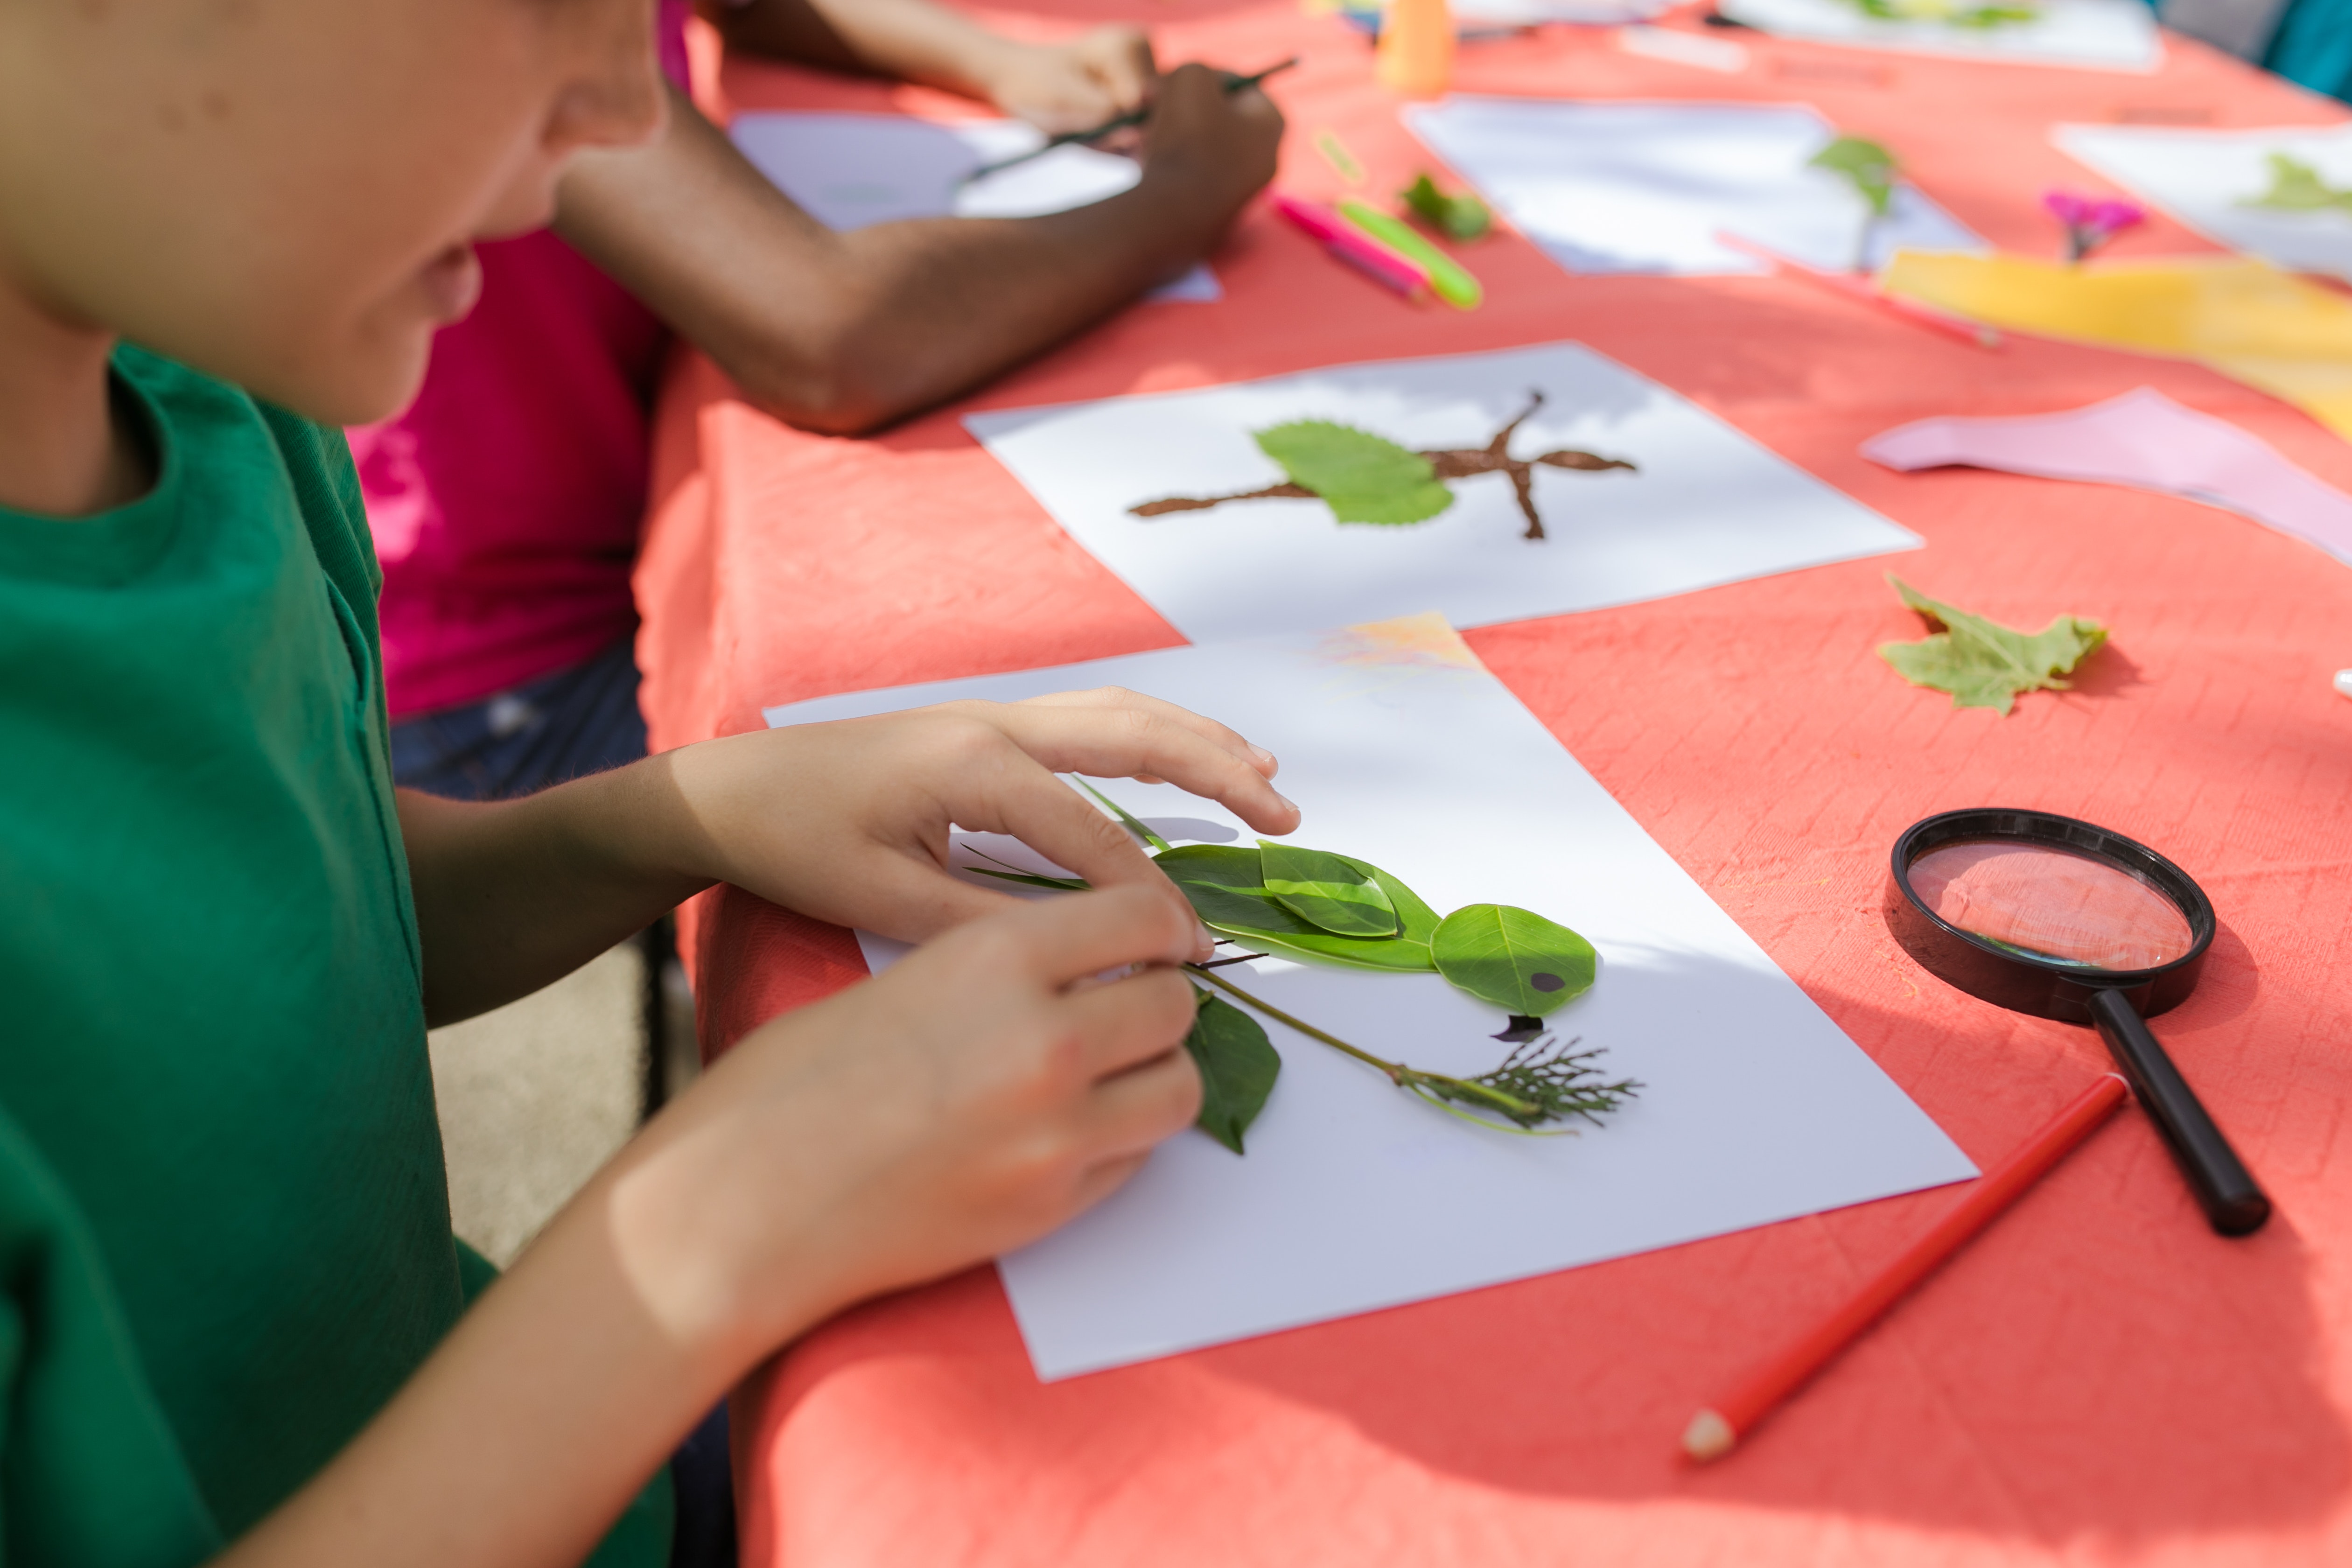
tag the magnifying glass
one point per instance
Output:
(2043, 914)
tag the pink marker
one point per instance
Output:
(1353, 245)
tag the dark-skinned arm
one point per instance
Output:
(845, 333)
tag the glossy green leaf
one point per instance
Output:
(1982, 663)
(1326, 891)
(1865, 165)
(1226, 886)
(1238, 1066)
(1514, 958)
(1361, 476)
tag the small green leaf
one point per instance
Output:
(1514, 958)
(1867, 166)
(1983, 664)
(1462, 216)
(1327, 892)
(2297, 187)
(1226, 885)
(1238, 1066)
(1360, 476)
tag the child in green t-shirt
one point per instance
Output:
(229, 1309)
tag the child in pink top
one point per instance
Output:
(506, 501)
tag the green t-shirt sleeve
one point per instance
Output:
(90, 1476)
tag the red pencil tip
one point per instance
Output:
(1708, 1437)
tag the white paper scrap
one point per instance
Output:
(1705, 505)
(2208, 178)
(1404, 751)
(847, 171)
(1683, 48)
(2143, 439)
(1644, 187)
(2096, 34)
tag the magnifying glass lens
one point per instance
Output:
(2052, 905)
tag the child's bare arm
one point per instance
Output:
(842, 332)
(957, 1106)
(845, 821)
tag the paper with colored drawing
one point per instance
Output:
(1404, 751)
(2093, 34)
(2211, 180)
(847, 171)
(1646, 187)
(1700, 504)
(2143, 439)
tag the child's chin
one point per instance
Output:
(372, 382)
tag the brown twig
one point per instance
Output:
(1454, 463)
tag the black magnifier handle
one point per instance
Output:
(2232, 1203)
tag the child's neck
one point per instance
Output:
(64, 449)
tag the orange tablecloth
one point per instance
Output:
(2100, 1379)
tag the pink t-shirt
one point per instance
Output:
(506, 501)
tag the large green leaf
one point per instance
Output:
(1238, 1066)
(1226, 886)
(1983, 664)
(1362, 478)
(1325, 890)
(1514, 958)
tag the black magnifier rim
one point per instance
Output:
(2048, 988)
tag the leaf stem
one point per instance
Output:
(1133, 825)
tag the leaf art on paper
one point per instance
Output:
(1368, 478)
(1322, 908)
(2297, 187)
(1983, 664)
(1978, 17)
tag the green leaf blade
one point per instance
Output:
(1984, 664)
(1238, 1066)
(1326, 891)
(1361, 476)
(1227, 887)
(1865, 165)
(1514, 958)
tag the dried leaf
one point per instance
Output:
(1326, 891)
(1514, 958)
(1983, 664)
(1227, 888)
(1360, 476)
(1238, 1066)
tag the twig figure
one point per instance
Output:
(1454, 463)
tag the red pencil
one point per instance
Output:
(1717, 1428)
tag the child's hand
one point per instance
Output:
(975, 1096)
(1078, 85)
(849, 821)
(1217, 145)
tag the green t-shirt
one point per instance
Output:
(224, 1222)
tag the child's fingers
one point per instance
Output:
(1068, 830)
(1148, 738)
(1121, 58)
(1132, 1113)
(1131, 1021)
(1119, 699)
(1060, 939)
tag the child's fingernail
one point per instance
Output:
(1287, 801)
(1266, 759)
(1203, 943)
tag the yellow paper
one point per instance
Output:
(2243, 317)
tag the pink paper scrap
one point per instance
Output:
(2143, 439)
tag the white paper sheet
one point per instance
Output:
(2203, 177)
(1404, 751)
(2143, 439)
(1644, 188)
(2094, 35)
(1708, 505)
(847, 171)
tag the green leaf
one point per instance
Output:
(1514, 958)
(1867, 166)
(1238, 1066)
(1225, 883)
(1983, 664)
(1360, 476)
(2297, 187)
(1325, 890)
(1126, 818)
(1462, 216)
